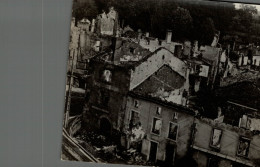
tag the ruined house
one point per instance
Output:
(107, 23)
(239, 102)
(129, 68)
(157, 122)
(219, 144)
(153, 44)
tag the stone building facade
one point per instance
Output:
(159, 130)
(126, 69)
(220, 144)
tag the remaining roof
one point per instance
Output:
(164, 79)
(243, 93)
(165, 84)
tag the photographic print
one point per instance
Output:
(168, 83)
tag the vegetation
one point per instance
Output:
(188, 19)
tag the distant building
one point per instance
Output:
(222, 145)
(153, 44)
(107, 23)
(237, 100)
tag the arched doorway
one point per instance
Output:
(105, 126)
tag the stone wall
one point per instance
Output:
(115, 91)
(147, 111)
(228, 143)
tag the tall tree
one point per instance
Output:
(181, 23)
(86, 9)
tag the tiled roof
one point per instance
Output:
(164, 79)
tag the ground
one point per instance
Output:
(107, 151)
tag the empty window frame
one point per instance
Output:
(104, 98)
(156, 126)
(175, 116)
(243, 147)
(107, 76)
(134, 118)
(215, 138)
(136, 103)
(158, 110)
(173, 131)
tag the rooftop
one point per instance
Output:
(165, 84)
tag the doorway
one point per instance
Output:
(153, 151)
(105, 126)
(170, 150)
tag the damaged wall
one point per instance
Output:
(154, 44)
(147, 111)
(229, 142)
(107, 22)
(153, 63)
(113, 93)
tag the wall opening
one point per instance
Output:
(105, 126)
(153, 151)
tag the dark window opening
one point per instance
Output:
(153, 151)
(173, 131)
(132, 50)
(243, 147)
(158, 110)
(213, 162)
(104, 98)
(134, 119)
(136, 103)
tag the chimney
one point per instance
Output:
(93, 25)
(147, 34)
(97, 46)
(187, 49)
(139, 34)
(82, 39)
(168, 36)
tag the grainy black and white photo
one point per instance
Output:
(169, 83)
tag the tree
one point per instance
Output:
(204, 31)
(243, 20)
(87, 9)
(181, 23)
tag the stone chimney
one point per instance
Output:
(168, 36)
(147, 34)
(97, 46)
(93, 25)
(82, 39)
(139, 34)
(187, 49)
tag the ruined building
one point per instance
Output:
(129, 74)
